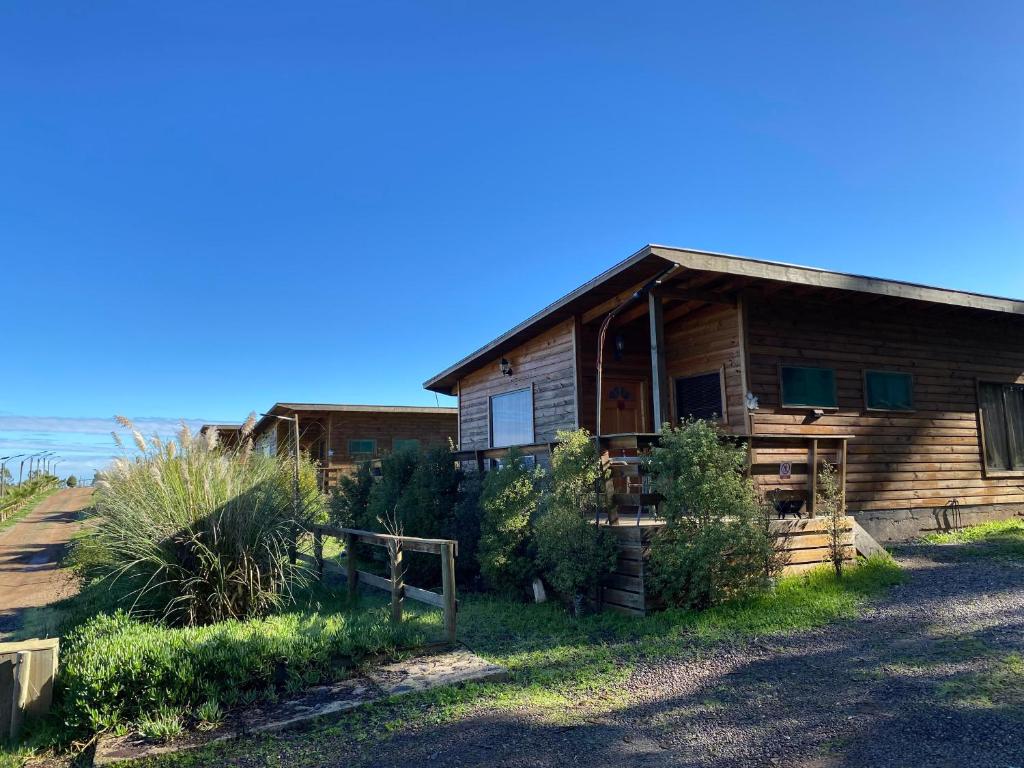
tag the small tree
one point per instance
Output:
(830, 502)
(714, 545)
(508, 502)
(71, 482)
(572, 551)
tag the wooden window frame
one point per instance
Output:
(864, 387)
(811, 408)
(348, 446)
(723, 417)
(533, 416)
(986, 471)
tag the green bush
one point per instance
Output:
(508, 502)
(350, 498)
(203, 533)
(71, 481)
(467, 530)
(573, 552)
(831, 506)
(116, 669)
(716, 544)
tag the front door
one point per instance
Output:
(623, 406)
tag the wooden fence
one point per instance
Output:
(447, 549)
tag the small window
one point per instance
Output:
(362, 447)
(700, 397)
(512, 418)
(807, 387)
(1002, 425)
(888, 391)
(405, 444)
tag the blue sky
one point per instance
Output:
(206, 208)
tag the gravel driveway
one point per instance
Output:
(896, 687)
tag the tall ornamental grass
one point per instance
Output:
(202, 533)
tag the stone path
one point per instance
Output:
(30, 551)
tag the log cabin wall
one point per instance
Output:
(547, 363)
(898, 460)
(430, 429)
(705, 341)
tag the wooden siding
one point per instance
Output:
(547, 364)
(897, 460)
(705, 341)
(431, 429)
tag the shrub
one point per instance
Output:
(831, 506)
(351, 497)
(715, 544)
(163, 724)
(116, 668)
(573, 552)
(71, 481)
(467, 530)
(202, 533)
(508, 501)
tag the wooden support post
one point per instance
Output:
(448, 590)
(842, 471)
(659, 375)
(397, 580)
(812, 477)
(350, 566)
(318, 553)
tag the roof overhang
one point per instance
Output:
(285, 409)
(650, 260)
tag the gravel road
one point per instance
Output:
(886, 689)
(29, 552)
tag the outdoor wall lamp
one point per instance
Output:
(620, 346)
(506, 367)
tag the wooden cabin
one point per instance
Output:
(916, 393)
(228, 435)
(340, 437)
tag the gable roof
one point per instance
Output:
(652, 260)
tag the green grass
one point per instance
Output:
(565, 670)
(30, 504)
(1000, 684)
(1000, 538)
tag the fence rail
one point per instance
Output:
(447, 549)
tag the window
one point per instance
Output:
(362, 447)
(512, 418)
(1002, 425)
(807, 387)
(700, 397)
(405, 444)
(888, 391)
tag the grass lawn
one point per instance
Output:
(563, 669)
(1001, 538)
(29, 506)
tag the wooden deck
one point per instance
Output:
(804, 544)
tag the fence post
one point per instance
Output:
(397, 581)
(318, 553)
(350, 565)
(448, 589)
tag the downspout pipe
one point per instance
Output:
(647, 288)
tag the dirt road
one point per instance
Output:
(30, 551)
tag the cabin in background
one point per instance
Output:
(340, 437)
(916, 393)
(228, 435)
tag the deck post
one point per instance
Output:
(350, 565)
(448, 590)
(812, 479)
(659, 375)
